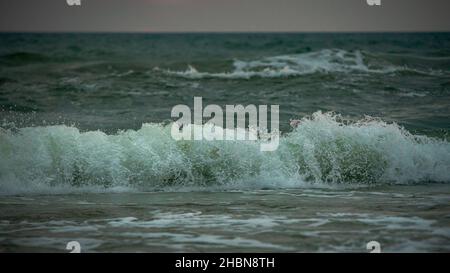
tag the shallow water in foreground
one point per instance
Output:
(401, 218)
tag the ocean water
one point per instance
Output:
(86, 152)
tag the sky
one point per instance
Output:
(223, 15)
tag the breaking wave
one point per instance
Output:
(323, 150)
(323, 61)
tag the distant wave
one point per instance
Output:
(323, 61)
(322, 150)
(23, 57)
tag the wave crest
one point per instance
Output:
(323, 61)
(323, 149)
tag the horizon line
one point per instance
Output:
(219, 32)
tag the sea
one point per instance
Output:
(87, 155)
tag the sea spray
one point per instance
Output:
(323, 149)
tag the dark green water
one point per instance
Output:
(109, 81)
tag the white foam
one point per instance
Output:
(322, 150)
(323, 61)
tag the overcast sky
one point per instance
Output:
(224, 15)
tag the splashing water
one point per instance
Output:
(323, 149)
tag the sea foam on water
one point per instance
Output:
(322, 149)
